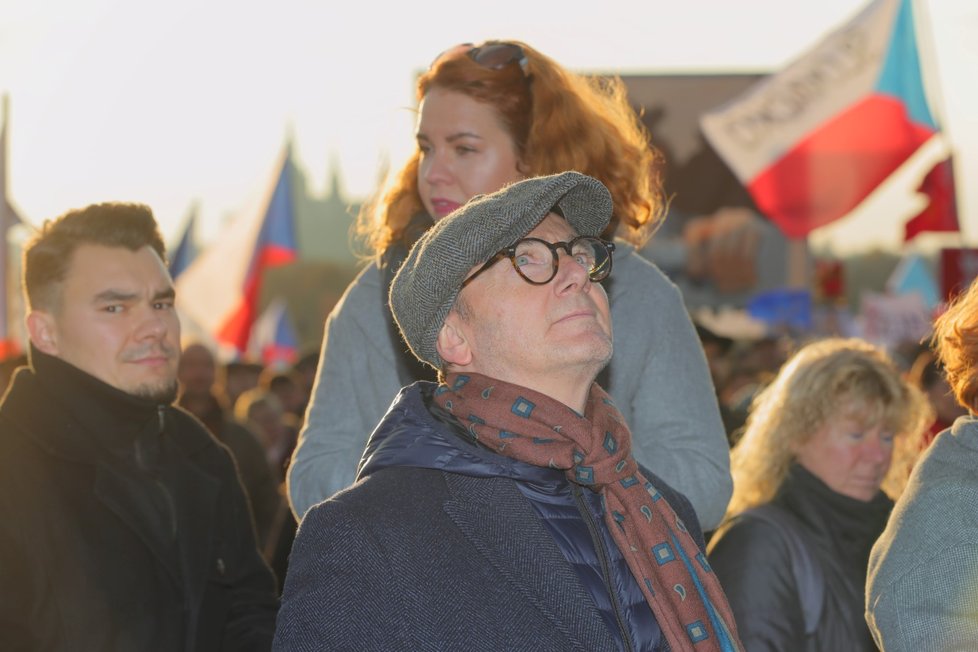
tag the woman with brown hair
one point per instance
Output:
(490, 115)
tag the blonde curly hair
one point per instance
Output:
(823, 379)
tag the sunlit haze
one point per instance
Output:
(169, 103)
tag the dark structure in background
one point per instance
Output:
(714, 244)
(670, 107)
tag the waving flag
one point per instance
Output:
(220, 290)
(185, 252)
(8, 218)
(815, 139)
(941, 212)
(912, 275)
(273, 338)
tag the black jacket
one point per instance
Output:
(123, 525)
(753, 562)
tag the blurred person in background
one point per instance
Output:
(928, 374)
(305, 369)
(807, 503)
(196, 374)
(922, 586)
(262, 412)
(286, 386)
(237, 377)
(490, 115)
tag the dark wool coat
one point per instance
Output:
(123, 525)
(449, 557)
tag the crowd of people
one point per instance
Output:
(513, 438)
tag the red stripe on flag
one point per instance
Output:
(833, 169)
(941, 213)
(272, 353)
(236, 328)
(273, 256)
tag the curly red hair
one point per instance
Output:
(558, 121)
(956, 342)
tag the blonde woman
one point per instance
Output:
(808, 500)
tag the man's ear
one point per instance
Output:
(42, 331)
(452, 344)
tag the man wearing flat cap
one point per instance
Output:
(502, 509)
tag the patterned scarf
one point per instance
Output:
(595, 451)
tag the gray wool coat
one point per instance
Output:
(922, 587)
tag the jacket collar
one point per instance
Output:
(66, 409)
(75, 416)
(416, 432)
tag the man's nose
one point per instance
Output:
(153, 323)
(571, 273)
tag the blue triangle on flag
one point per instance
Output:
(912, 275)
(186, 251)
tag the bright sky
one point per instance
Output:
(174, 102)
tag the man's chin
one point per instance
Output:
(164, 392)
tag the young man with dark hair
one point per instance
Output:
(123, 525)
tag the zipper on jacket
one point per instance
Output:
(161, 411)
(604, 561)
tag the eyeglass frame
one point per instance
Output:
(554, 247)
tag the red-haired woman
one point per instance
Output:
(489, 115)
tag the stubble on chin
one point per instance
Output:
(161, 392)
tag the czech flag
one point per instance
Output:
(185, 252)
(273, 339)
(941, 212)
(812, 141)
(219, 292)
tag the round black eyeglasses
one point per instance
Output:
(537, 260)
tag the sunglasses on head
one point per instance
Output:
(494, 55)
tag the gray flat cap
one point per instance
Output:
(427, 284)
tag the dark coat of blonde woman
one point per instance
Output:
(808, 501)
